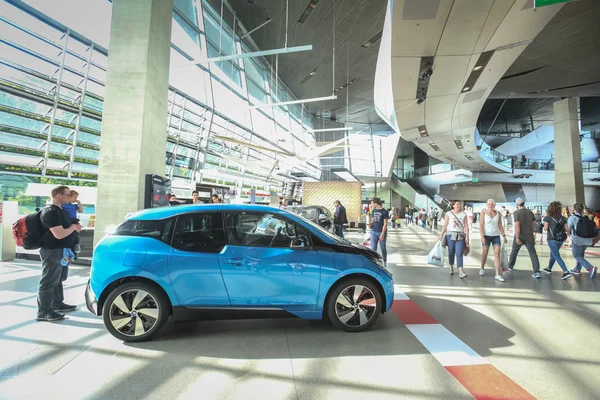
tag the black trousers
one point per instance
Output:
(50, 291)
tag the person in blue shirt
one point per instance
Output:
(73, 207)
(379, 226)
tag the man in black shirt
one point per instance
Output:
(379, 226)
(60, 236)
(339, 218)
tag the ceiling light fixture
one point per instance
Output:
(477, 68)
(308, 10)
(458, 144)
(345, 174)
(466, 89)
(373, 40)
(287, 103)
(428, 72)
(263, 53)
(423, 131)
(330, 129)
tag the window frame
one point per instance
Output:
(211, 251)
(169, 220)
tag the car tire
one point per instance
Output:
(123, 316)
(354, 304)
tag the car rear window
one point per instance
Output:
(155, 229)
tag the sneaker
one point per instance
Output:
(462, 275)
(481, 272)
(547, 270)
(50, 316)
(500, 278)
(566, 275)
(536, 275)
(509, 269)
(575, 271)
(593, 271)
(62, 307)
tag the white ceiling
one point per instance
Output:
(455, 34)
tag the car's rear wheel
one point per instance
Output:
(354, 304)
(135, 311)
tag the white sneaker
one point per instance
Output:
(481, 272)
(500, 278)
(462, 275)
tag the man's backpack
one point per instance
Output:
(29, 231)
(585, 227)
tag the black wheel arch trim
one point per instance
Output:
(128, 279)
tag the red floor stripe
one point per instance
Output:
(487, 383)
(594, 253)
(410, 313)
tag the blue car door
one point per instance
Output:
(193, 262)
(269, 262)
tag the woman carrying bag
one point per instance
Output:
(490, 226)
(558, 231)
(455, 236)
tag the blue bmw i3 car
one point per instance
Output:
(231, 261)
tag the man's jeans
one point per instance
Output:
(555, 246)
(50, 292)
(532, 255)
(578, 254)
(339, 230)
(375, 239)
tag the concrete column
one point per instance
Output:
(134, 121)
(9, 214)
(568, 175)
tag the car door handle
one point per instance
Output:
(238, 261)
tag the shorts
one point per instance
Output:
(491, 240)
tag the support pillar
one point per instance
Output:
(568, 175)
(134, 121)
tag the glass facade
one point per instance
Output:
(52, 86)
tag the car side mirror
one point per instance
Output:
(298, 244)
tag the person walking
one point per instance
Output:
(491, 229)
(379, 227)
(579, 244)
(457, 236)
(339, 218)
(539, 227)
(524, 225)
(55, 243)
(557, 232)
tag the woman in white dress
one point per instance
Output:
(490, 227)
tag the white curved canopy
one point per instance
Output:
(457, 36)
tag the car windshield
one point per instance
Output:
(330, 235)
(308, 213)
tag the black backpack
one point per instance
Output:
(559, 233)
(29, 231)
(585, 227)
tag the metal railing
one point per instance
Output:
(548, 165)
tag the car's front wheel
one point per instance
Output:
(135, 311)
(354, 304)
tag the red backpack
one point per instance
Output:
(29, 231)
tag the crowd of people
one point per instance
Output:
(580, 228)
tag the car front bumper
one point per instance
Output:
(90, 299)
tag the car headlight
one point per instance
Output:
(379, 262)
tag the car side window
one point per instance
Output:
(155, 229)
(199, 232)
(260, 230)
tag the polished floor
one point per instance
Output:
(540, 334)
